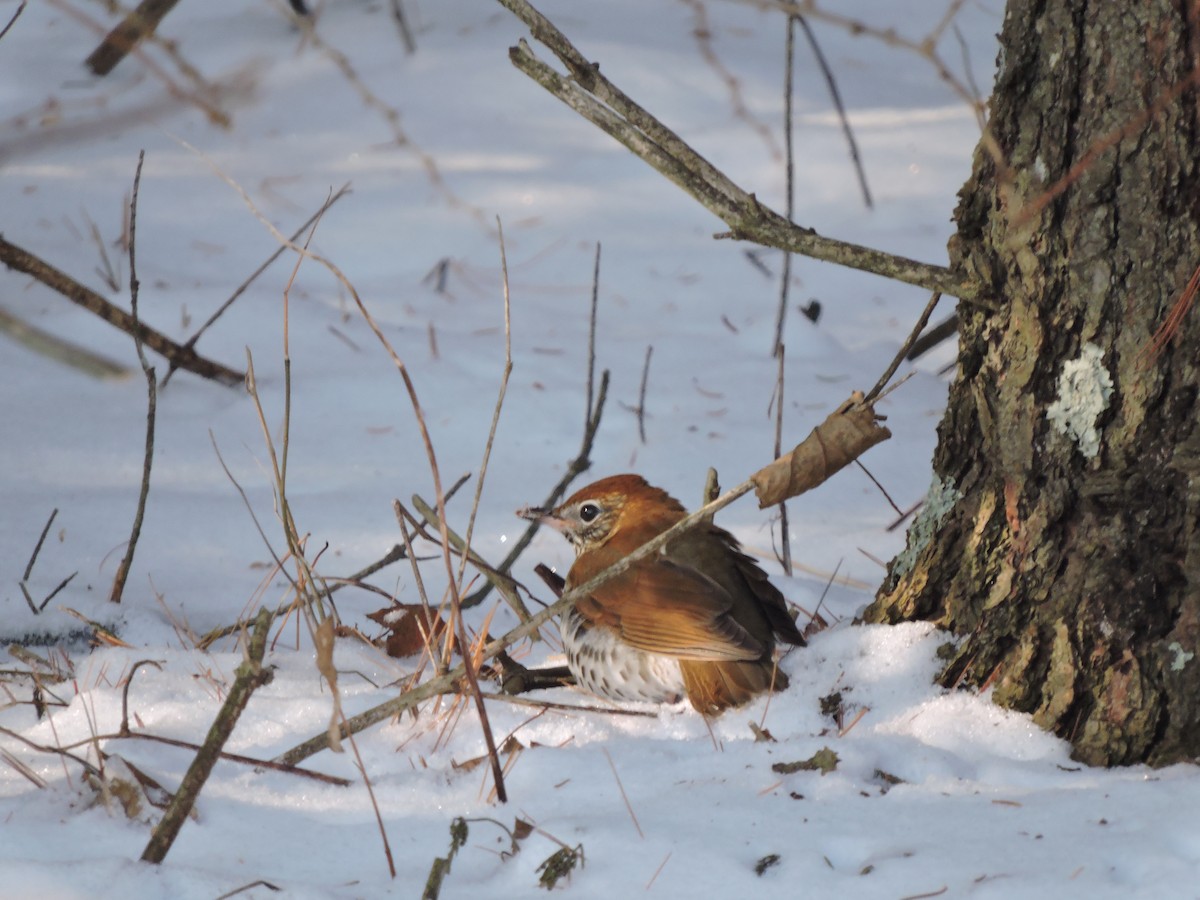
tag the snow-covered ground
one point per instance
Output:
(934, 792)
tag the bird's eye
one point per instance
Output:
(589, 511)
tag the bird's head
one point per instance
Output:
(620, 504)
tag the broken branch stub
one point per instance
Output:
(849, 431)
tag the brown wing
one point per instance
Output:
(663, 607)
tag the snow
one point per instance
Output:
(934, 790)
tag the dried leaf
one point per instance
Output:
(823, 761)
(521, 829)
(512, 745)
(131, 788)
(771, 859)
(559, 864)
(323, 640)
(831, 705)
(411, 628)
(888, 777)
(101, 634)
(469, 764)
(849, 432)
(156, 795)
(761, 734)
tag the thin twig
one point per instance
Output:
(594, 407)
(410, 45)
(241, 288)
(624, 796)
(785, 537)
(905, 514)
(789, 163)
(662, 865)
(258, 882)
(54, 593)
(829, 582)
(968, 72)
(502, 582)
(836, 96)
(394, 555)
(925, 47)
(570, 707)
(123, 729)
(785, 283)
(933, 337)
(225, 755)
(882, 490)
(28, 599)
(591, 355)
(390, 115)
(1174, 320)
(1100, 146)
(858, 718)
(65, 754)
(431, 456)
(592, 95)
(904, 348)
(641, 405)
(702, 32)
(435, 472)
(21, 260)
(362, 770)
(38, 546)
(12, 21)
(110, 278)
(402, 519)
(514, 600)
(118, 587)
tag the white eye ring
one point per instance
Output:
(588, 512)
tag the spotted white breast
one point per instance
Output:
(608, 668)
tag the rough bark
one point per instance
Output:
(1071, 569)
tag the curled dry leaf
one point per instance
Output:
(131, 789)
(411, 628)
(323, 639)
(851, 430)
(521, 829)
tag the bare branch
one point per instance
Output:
(128, 34)
(595, 98)
(118, 587)
(251, 675)
(21, 260)
(905, 348)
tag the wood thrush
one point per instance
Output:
(699, 618)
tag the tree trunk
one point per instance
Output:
(1060, 539)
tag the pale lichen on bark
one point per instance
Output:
(942, 496)
(1180, 657)
(1084, 389)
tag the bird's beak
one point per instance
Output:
(541, 515)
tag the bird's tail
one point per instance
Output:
(714, 686)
